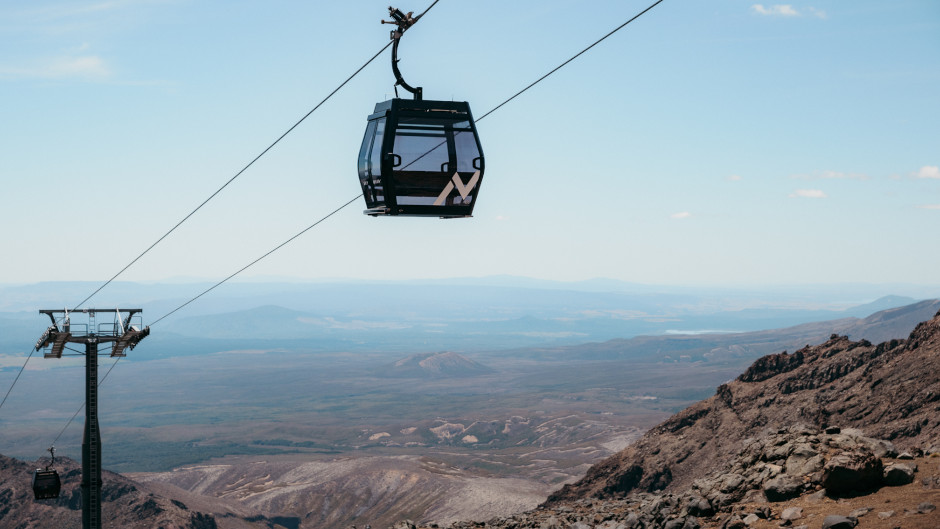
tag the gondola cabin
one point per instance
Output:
(46, 484)
(421, 158)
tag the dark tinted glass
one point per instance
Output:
(370, 162)
(467, 150)
(365, 150)
(421, 144)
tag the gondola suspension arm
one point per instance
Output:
(403, 21)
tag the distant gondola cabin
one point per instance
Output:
(421, 158)
(46, 484)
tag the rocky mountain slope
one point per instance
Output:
(890, 390)
(840, 435)
(796, 477)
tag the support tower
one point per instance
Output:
(124, 332)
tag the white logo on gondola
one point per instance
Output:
(463, 190)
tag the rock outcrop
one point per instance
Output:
(768, 480)
(890, 390)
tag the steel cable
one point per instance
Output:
(291, 239)
(217, 191)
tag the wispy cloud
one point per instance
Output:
(808, 193)
(63, 19)
(841, 175)
(785, 10)
(779, 10)
(831, 175)
(929, 206)
(87, 67)
(680, 215)
(928, 171)
(84, 66)
(734, 178)
(818, 13)
(53, 29)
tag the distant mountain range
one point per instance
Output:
(463, 314)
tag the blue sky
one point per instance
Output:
(708, 143)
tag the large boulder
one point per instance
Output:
(782, 488)
(853, 471)
(898, 474)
